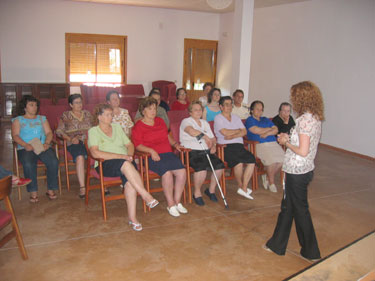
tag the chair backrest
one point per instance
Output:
(170, 93)
(5, 187)
(52, 113)
(212, 127)
(177, 115)
(133, 90)
(175, 130)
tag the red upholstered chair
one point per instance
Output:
(176, 116)
(104, 182)
(132, 90)
(8, 216)
(171, 93)
(53, 113)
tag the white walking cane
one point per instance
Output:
(199, 139)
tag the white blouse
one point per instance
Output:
(308, 125)
(187, 140)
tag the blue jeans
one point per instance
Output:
(29, 162)
(4, 173)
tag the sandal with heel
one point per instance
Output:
(152, 204)
(135, 226)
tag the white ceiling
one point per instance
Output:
(191, 5)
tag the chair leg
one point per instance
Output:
(16, 229)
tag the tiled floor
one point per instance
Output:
(66, 240)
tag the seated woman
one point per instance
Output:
(16, 181)
(160, 111)
(212, 108)
(271, 154)
(120, 115)
(284, 121)
(230, 130)
(108, 141)
(181, 103)
(73, 127)
(162, 103)
(29, 127)
(150, 135)
(190, 129)
(206, 89)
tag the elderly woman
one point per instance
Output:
(160, 111)
(108, 141)
(181, 103)
(120, 115)
(212, 108)
(284, 121)
(271, 154)
(73, 127)
(230, 130)
(298, 166)
(190, 129)
(33, 136)
(150, 135)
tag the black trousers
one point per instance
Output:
(295, 206)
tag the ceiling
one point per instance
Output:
(191, 5)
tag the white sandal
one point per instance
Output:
(135, 226)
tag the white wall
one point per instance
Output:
(32, 37)
(330, 42)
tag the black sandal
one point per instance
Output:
(82, 195)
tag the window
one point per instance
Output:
(94, 58)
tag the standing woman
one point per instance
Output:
(181, 103)
(298, 166)
(26, 128)
(73, 127)
(212, 108)
(120, 115)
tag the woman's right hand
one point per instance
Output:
(155, 156)
(128, 158)
(28, 147)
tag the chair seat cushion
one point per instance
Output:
(5, 217)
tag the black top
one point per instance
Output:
(164, 105)
(282, 127)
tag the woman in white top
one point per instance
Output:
(190, 129)
(298, 166)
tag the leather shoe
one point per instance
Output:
(212, 196)
(198, 200)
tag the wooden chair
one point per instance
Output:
(104, 182)
(8, 216)
(68, 160)
(17, 166)
(259, 167)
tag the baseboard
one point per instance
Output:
(355, 154)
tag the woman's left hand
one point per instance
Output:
(282, 138)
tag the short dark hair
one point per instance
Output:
(284, 104)
(178, 91)
(110, 93)
(252, 105)
(74, 97)
(146, 102)
(223, 99)
(211, 93)
(99, 110)
(154, 91)
(237, 91)
(23, 103)
(208, 84)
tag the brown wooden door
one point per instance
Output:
(200, 58)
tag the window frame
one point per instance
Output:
(95, 38)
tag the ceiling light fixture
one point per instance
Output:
(219, 4)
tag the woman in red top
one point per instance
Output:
(150, 135)
(181, 103)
